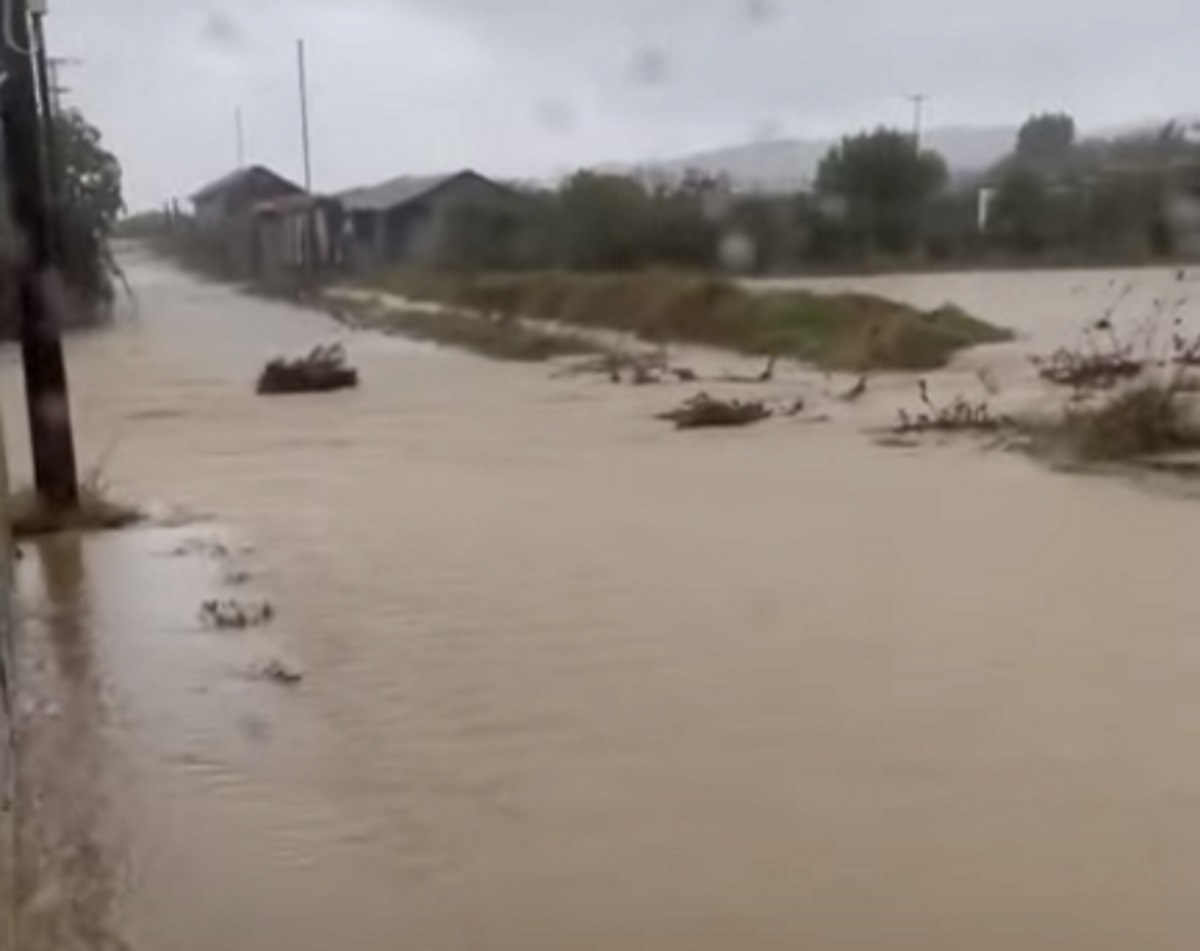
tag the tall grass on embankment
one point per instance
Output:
(835, 332)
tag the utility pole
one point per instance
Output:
(46, 394)
(57, 89)
(240, 131)
(300, 58)
(47, 82)
(918, 102)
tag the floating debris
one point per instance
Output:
(857, 392)
(766, 376)
(280, 672)
(961, 415)
(235, 615)
(705, 411)
(322, 371)
(1091, 370)
(200, 546)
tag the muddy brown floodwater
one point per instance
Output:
(576, 681)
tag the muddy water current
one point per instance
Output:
(576, 681)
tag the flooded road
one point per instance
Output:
(575, 680)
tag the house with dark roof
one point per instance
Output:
(406, 220)
(237, 193)
(225, 208)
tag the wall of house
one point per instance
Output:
(417, 233)
(227, 219)
(210, 214)
(299, 243)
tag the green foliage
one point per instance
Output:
(1046, 140)
(494, 233)
(842, 331)
(90, 174)
(777, 227)
(89, 178)
(602, 218)
(1021, 214)
(614, 222)
(1098, 200)
(881, 184)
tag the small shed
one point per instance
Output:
(405, 220)
(298, 238)
(224, 212)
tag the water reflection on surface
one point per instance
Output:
(575, 681)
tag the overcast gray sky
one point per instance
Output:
(533, 87)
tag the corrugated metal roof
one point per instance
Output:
(395, 192)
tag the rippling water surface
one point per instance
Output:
(576, 681)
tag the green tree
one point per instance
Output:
(501, 232)
(602, 219)
(1046, 140)
(89, 180)
(1021, 213)
(879, 185)
(614, 222)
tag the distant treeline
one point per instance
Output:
(877, 201)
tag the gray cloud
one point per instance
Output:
(530, 87)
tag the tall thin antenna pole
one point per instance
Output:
(241, 137)
(304, 114)
(918, 102)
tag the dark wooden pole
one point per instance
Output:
(46, 393)
(51, 164)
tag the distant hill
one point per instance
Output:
(791, 164)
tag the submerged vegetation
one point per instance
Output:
(1143, 421)
(834, 332)
(496, 337)
(31, 517)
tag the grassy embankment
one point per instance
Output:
(855, 332)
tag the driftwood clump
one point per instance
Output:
(280, 672)
(323, 370)
(1103, 358)
(706, 411)
(235, 615)
(1090, 369)
(960, 415)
